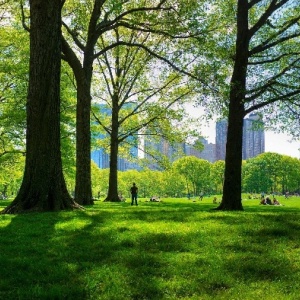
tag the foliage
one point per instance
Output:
(13, 81)
(265, 72)
(14, 60)
(179, 41)
(115, 35)
(196, 173)
(271, 172)
(217, 175)
(11, 174)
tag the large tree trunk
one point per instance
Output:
(112, 194)
(233, 161)
(83, 185)
(83, 74)
(43, 187)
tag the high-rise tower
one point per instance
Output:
(253, 137)
(221, 138)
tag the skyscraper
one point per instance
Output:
(253, 137)
(159, 151)
(209, 151)
(221, 139)
(102, 158)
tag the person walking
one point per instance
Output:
(134, 192)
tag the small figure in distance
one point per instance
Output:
(276, 202)
(215, 200)
(201, 196)
(134, 192)
(268, 201)
(263, 201)
(154, 199)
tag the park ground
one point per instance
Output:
(174, 249)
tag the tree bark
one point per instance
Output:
(112, 194)
(233, 161)
(83, 186)
(83, 75)
(43, 187)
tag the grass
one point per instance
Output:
(176, 249)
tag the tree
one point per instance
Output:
(85, 23)
(217, 175)
(173, 183)
(127, 178)
(14, 69)
(135, 96)
(290, 174)
(43, 187)
(196, 172)
(265, 70)
(99, 181)
(13, 87)
(11, 171)
(262, 173)
(271, 172)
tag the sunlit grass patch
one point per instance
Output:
(176, 249)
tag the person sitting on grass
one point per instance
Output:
(263, 201)
(154, 199)
(268, 201)
(276, 202)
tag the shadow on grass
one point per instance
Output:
(45, 259)
(115, 251)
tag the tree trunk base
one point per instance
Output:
(230, 207)
(86, 201)
(33, 205)
(112, 199)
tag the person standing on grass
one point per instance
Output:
(134, 191)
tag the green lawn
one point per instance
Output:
(176, 249)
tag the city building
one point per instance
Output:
(221, 139)
(253, 137)
(209, 151)
(101, 157)
(158, 152)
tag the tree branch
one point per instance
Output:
(23, 18)
(260, 90)
(172, 65)
(74, 35)
(268, 44)
(272, 100)
(275, 59)
(264, 17)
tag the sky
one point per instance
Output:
(281, 143)
(278, 143)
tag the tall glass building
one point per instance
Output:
(101, 157)
(253, 137)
